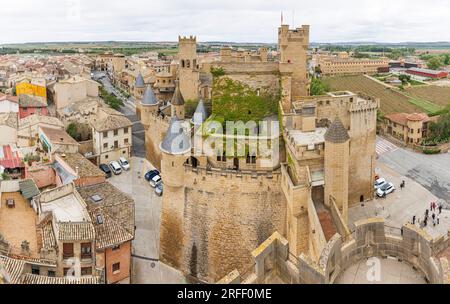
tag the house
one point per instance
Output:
(72, 90)
(28, 131)
(74, 167)
(56, 140)
(112, 135)
(427, 73)
(29, 105)
(9, 104)
(112, 214)
(8, 128)
(50, 237)
(409, 128)
(11, 160)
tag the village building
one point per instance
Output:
(112, 135)
(410, 129)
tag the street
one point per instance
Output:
(430, 171)
(129, 110)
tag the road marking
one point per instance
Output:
(383, 146)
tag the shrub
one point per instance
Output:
(431, 151)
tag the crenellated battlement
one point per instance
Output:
(186, 39)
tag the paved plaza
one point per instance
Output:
(146, 266)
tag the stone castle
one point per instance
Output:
(218, 208)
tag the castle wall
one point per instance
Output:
(154, 135)
(225, 216)
(257, 75)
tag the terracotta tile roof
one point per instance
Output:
(9, 119)
(9, 158)
(37, 279)
(108, 233)
(27, 101)
(403, 118)
(36, 119)
(117, 209)
(9, 97)
(111, 121)
(13, 269)
(58, 136)
(75, 231)
(85, 167)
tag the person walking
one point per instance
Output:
(414, 220)
(440, 209)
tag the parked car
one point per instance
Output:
(106, 170)
(115, 167)
(150, 174)
(386, 189)
(155, 181)
(379, 182)
(124, 163)
(159, 189)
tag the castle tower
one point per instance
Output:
(337, 152)
(188, 71)
(149, 106)
(293, 46)
(264, 54)
(176, 149)
(138, 92)
(178, 104)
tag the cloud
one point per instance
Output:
(224, 20)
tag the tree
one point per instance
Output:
(405, 79)
(435, 63)
(318, 87)
(72, 130)
(446, 59)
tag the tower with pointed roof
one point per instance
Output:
(149, 106)
(178, 103)
(337, 154)
(176, 149)
(138, 92)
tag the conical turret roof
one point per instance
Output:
(337, 133)
(200, 114)
(140, 83)
(149, 97)
(176, 141)
(177, 99)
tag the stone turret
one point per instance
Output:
(200, 114)
(178, 103)
(138, 92)
(149, 106)
(176, 149)
(337, 152)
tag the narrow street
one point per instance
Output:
(145, 254)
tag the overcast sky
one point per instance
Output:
(224, 20)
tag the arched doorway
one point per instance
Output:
(236, 164)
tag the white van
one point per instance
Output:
(115, 167)
(155, 181)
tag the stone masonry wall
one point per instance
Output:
(225, 218)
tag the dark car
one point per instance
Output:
(106, 170)
(151, 174)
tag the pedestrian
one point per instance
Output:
(431, 206)
(438, 220)
(425, 222)
(414, 220)
(401, 230)
(440, 209)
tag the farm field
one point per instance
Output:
(429, 99)
(436, 94)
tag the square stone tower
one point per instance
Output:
(188, 70)
(293, 45)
